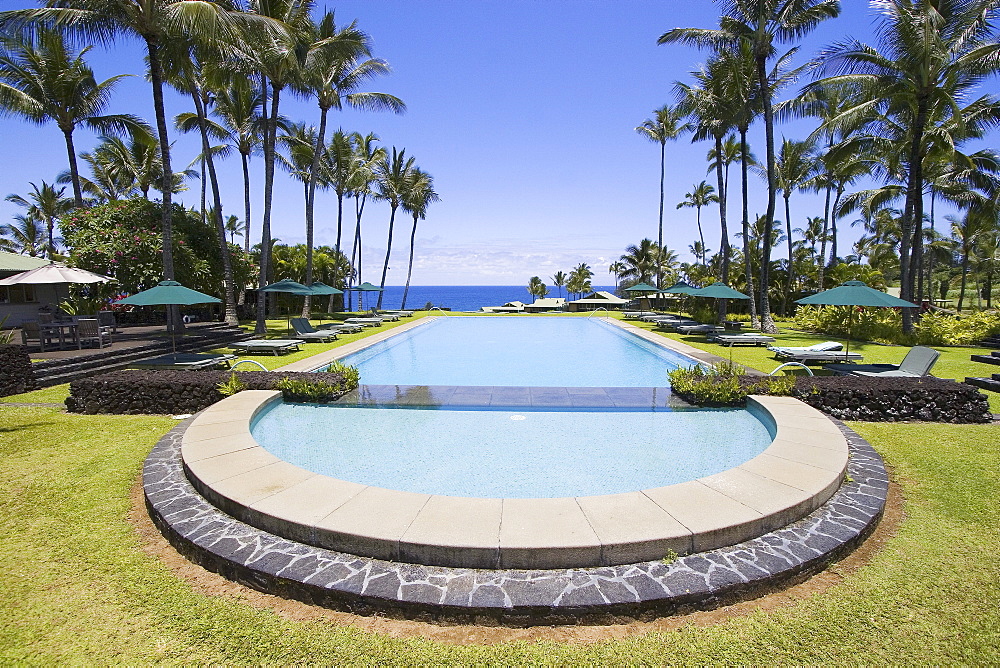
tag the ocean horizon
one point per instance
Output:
(457, 297)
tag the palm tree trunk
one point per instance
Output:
(965, 275)
(701, 237)
(913, 211)
(822, 242)
(311, 206)
(270, 136)
(74, 172)
(174, 322)
(228, 288)
(340, 218)
(788, 232)
(388, 250)
(359, 207)
(409, 268)
(766, 321)
(659, 238)
(723, 181)
(204, 191)
(748, 267)
(245, 157)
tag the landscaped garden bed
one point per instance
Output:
(131, 392)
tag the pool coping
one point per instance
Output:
(336, 580)
(799, 472)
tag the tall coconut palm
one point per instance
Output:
(616, 269)
(24, 236)
(336, 65)
(930, 55)
(153, 23)
(417, 197)
(339, 156)
(760, 24)
(640, 261)
(43, 80)
(392, 174)
(360, 185)
(796, 168)
(967, 231)
(237, 108)
(666, 125)
(46, 205)
(559, 280)
(701, 195)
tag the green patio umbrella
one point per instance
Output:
(288, 286)
(641, 287)
(169, 293)
(679, 288)
(718, 290)
(320, 289)
(364, 287)
(854, 293)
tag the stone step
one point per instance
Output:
(991, 384)
(993, 358)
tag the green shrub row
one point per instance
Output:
(725, 385)
(884, 325)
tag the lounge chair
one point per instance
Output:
(304, 330)
(365, 322)
(401, 314)
(186, 361)
(635, 315)
(341, 327)
(821, 356)
(698, 329)
(747, 339)
(826, 346)
(386, 315)
(918, 363)
(31, 331)
(273, 346)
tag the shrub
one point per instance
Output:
(723, 385)
(307, 391)
(232, 386)
(884, 325)
(942, 329)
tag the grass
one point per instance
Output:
(47, 395)
(76, 587)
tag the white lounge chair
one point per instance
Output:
(918, 363)
(786, 351)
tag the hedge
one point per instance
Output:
(136, 392)
(16, 373)
(872, 399)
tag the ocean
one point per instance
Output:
(457, 297)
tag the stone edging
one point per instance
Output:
(337, 580)
(797, 473)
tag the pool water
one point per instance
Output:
(536, 352)
(511, 453)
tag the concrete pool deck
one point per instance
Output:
(796, 474)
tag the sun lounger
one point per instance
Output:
(341, 327)
(821, 356)
(365, 322)
(742, 339)
(186, 361)
(635, 315)
(386, 315)
(698, 329)
(273, 346)
(918, 363)
(826, 346)
(401, 314)
(304, 330)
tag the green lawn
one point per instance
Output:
(76, 587)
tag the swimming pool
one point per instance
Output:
(536, 351)
(523, 453)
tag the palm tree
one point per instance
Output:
(930, 55)
(234, 228)
(640, 261)
(335, 66)
(391, 176)
(360, 181)
(966, 231)
(24, 236)
(665, 125)
(701, 195)
(759, 24)
(44, 205)
(812, 233)
(559, 280)
(237, 106)
(153, 23)
(579, 279)
(42, 80)
(339, 160)
(536, 288)
(419, 195)
(796, 168)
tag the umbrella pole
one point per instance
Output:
(850, 319)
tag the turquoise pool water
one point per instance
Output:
(536, 352)
(520, 453)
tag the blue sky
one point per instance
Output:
(523, 111)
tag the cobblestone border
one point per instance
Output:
(337, 580)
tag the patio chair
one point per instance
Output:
(304, 330)
(746, 339)
(108, 319)
(918, 363)
(90, 330)
(30, 331)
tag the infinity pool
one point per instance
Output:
(536, 352)
(520, 453)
